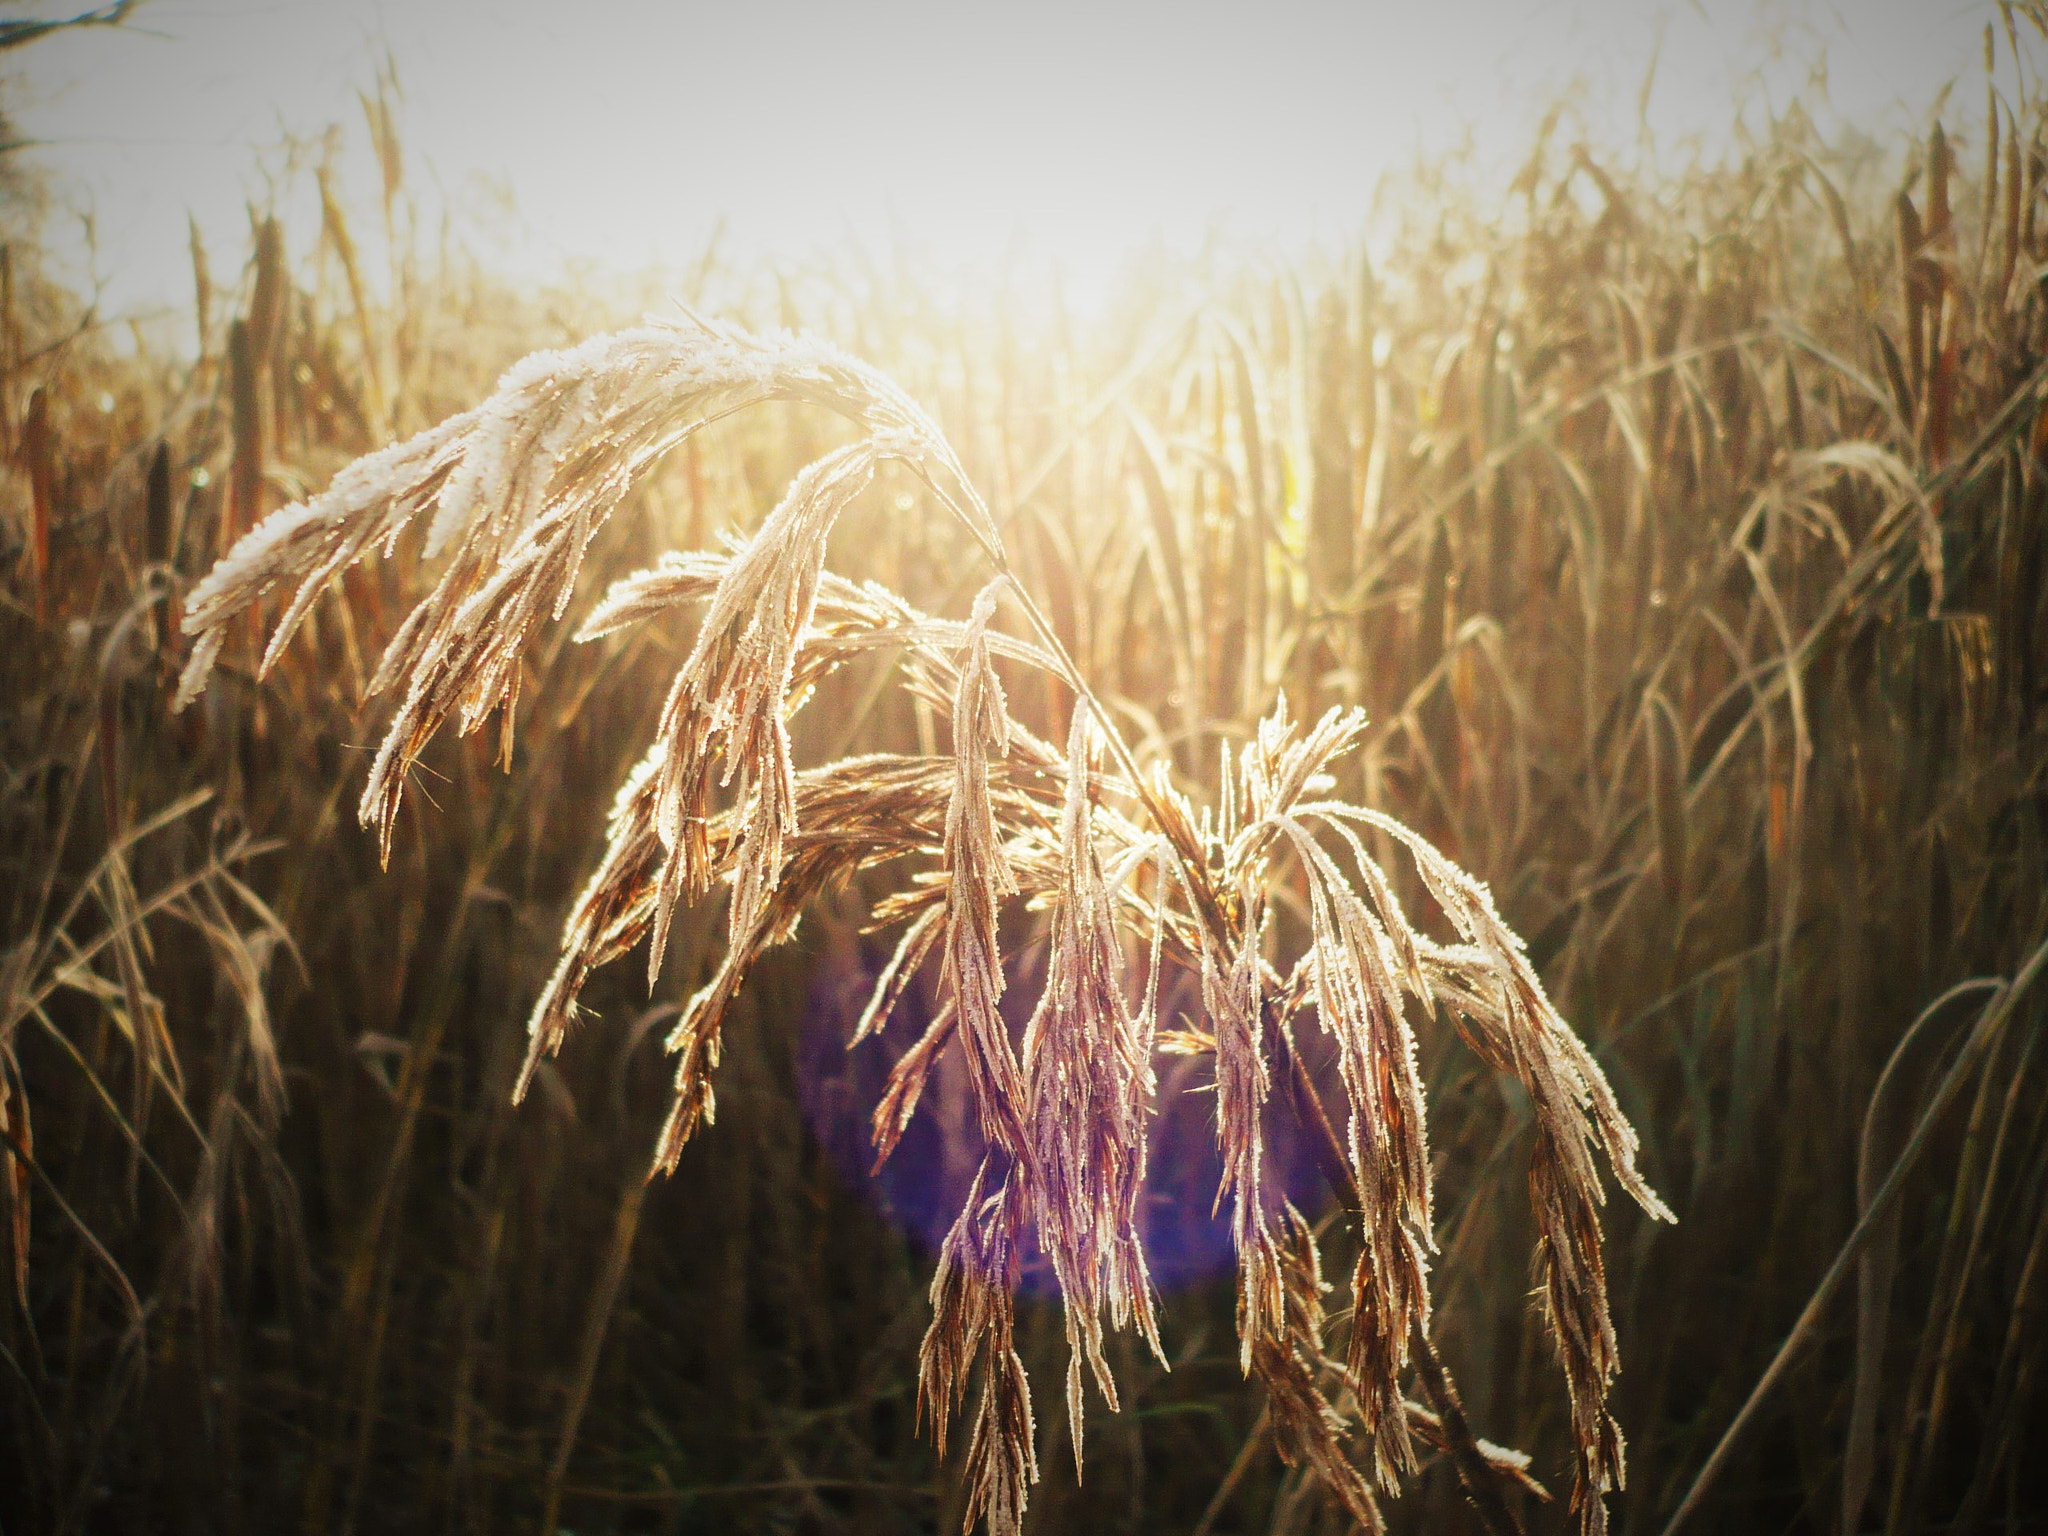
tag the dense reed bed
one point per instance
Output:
(1679, 541)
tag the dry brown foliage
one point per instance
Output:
(1112, 854)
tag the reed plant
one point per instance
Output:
(518, 487)
(1194, 709)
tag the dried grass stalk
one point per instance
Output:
(974, 1315)
(1236, 1003)
(519, 486)
(978, 877)
(730, 697)
(1090, 1090)
(1289, 1363)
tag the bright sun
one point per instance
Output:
(1061, 134)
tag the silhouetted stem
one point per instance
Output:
(1982, 1037)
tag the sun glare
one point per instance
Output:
(1314, 716)
(968, 137)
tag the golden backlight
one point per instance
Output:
(971, 135)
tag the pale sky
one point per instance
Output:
(625, 131)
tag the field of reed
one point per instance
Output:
(1191, 852)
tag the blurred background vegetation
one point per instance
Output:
(1685, 534)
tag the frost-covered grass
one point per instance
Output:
(1649, 568)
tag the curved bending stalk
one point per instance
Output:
(515, 490)
(1983, 1035)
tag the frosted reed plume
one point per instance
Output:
(731, 696)
(518, 486)
(978, 877)
(1006, 833)
(1236, 1003)
(1090, 1091)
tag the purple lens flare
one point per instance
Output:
(920, 1188)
